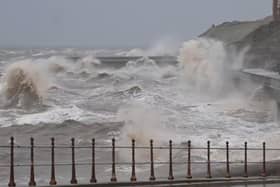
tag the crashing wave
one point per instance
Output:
(56, 68)
(141, 62)
(24, 85)
(133, 90)
(90, 60)
(99, 76)
(163, 47)
(205, 63)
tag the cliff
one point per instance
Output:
(261, 36)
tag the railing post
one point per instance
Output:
(245, 160)
(133, 175)
(189, 172)
(208, 161)
(152, 177)
(93, 177)
(264, 161)
(32, 174)
(227, 160)
(113, 178)
(170, 177)
(52, 181)
(73, 179)
(12, 175)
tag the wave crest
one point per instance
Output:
(24, 84)
(206, 65)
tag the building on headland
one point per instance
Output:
(276, 10)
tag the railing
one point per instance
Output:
(151, 163)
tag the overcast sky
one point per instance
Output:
(116, 23)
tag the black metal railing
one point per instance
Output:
(151, 163)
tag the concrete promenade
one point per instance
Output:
(268, 78)
(231, 182)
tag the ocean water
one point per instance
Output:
(66, 93)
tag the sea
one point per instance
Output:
(70, 92)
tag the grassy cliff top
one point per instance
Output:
(261, 36)
(235, 31)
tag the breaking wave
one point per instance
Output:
(56, 68)
(204, 61)
(163, 47)
(60, 64)
(24, 84)
(208, 64)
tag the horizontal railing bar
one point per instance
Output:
(138, 163)
(139, 147)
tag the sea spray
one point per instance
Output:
(163, 47)
(89, 63)
(24, 84)
(143, 123)
(204, 63)
(60, 64)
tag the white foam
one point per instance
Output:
(163, 47)
(55, 115)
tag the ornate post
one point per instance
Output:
(73, 179)
(12, 182)
(189, 172)
(32, 173)
(245, 160)
(133, 175)
(113, 178)
(208, 161)
(264, 161)
(152, 177)
(170, 177)
(227, 160)
(52, 181)
(93, 177)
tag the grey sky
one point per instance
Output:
(113, 23)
